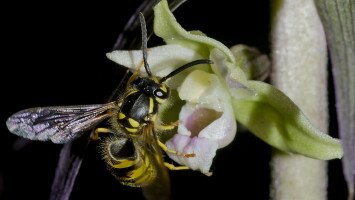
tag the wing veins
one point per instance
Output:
(60, 124)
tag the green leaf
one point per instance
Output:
(166, 27)
(339, 25)
(274, 118)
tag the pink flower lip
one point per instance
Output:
(200, 119)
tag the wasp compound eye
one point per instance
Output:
(160, 94)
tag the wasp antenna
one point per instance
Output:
(144, 43)
(182, 68)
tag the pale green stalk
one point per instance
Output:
(299, 70)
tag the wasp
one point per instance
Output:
(133, 151)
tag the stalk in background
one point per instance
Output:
(299, 69)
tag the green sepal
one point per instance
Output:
(166, 27)
(273, 117)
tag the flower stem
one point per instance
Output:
(300, 71)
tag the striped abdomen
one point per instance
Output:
(132, 166)
(140, 172)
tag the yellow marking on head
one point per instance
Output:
(121, 115)
(159, 100)
(151, 105)
(155, 79)
(133, 122)
(132, 130)
(153, 118)
(124, 164)
(163, 87)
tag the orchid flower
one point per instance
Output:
(207, 100)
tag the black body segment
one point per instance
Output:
(140, 103)
(137, 106)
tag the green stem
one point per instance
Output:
(299, 70)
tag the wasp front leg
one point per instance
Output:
(166, 149)
(173, 167)
(137, 71)
(96, 134)
(167, 127)
(183, 167)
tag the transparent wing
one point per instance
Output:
(160, 187)
(59, 124)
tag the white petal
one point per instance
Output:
(200, 121)
(232, 74)
(205, 89)
(204, 149)
(207, 121)
(162, 59)
(207, 93)
(222, 130)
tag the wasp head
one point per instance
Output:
(152, 87)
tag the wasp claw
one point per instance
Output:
(186, 155)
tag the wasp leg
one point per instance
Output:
(136, 72)
(166, 149)
(95, 136)
(173, 167)
(167, 127)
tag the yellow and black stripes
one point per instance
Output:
(130, 165)
(138, 175)
(129, 124)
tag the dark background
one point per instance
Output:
(54, 54)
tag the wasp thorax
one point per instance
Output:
(152, 88)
